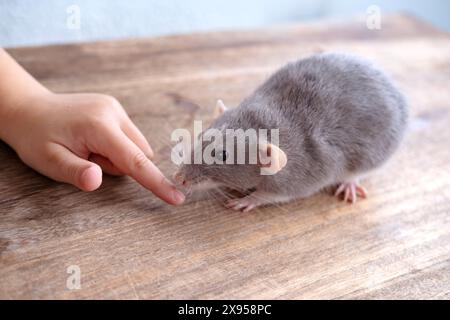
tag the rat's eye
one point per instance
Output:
(221, 155)
(224, 155)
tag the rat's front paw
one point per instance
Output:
(244, 204)
(256, 199)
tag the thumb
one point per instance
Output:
(62, 165)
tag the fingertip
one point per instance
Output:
(178, 197)
(91, 178)
(169, 193)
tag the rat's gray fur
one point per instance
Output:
(338, 115)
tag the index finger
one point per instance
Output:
(130, 159)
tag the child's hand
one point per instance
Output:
(73, 137)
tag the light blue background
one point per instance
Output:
(37, 22)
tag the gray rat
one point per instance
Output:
(338, 116)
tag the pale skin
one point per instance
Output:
(74, 138)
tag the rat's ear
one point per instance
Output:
(220, 108)
(271, 158)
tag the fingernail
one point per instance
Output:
(178, 197)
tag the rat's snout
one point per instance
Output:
(180, 178)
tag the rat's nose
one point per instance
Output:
(179, 178)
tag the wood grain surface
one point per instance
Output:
(128, 244)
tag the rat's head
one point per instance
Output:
(228, 155)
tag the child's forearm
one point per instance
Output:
(17, 89)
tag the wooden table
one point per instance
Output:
(128, 244)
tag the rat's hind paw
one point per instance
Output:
(351, 191)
